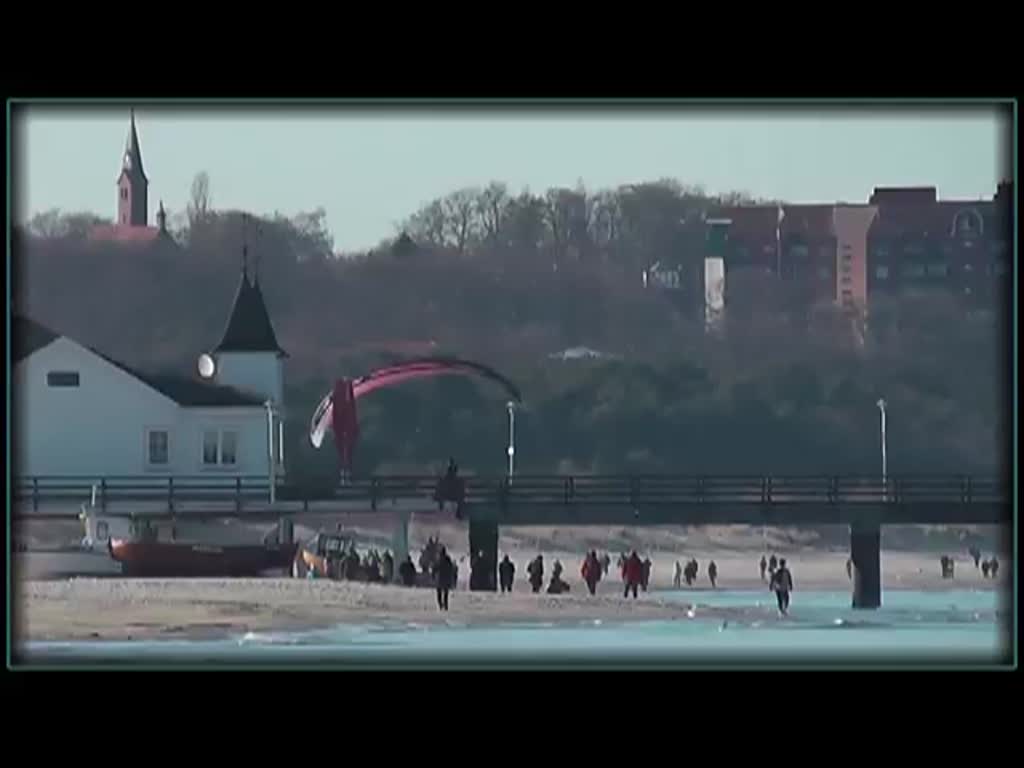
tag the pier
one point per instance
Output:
(864, 504)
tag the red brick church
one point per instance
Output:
(132, 224)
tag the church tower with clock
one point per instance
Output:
(132, 184)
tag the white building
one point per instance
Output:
(78, 412)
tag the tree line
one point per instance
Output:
(511, 279)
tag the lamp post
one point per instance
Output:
(511, 437)
(885, 467)
(269, 405)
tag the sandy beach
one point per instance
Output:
(96, 609)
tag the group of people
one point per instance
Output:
(373, 566)
(688, 573)
(535, 575)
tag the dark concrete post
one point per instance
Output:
(866, 553)
(483, 555)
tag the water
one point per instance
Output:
(962, 626)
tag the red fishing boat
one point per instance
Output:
(183, 550)
(165, 559)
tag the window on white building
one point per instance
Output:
(211, 445)
(220, 448)
(157, 447)
(62, 379)
(882, 272)
(228, 448)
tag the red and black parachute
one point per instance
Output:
(337, 410)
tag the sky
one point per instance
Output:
(371, 168)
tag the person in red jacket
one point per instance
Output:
(633, 571)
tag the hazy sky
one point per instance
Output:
(371, 169)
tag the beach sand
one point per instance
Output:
(82, 609)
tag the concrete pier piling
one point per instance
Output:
(866, 553)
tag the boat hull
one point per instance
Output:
(157, 559)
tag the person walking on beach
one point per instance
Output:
(849, 568)
(782, 583)
(993, 566)
(536, 571)
(506, 574)
(764, 566)
(633, 572)
(975, 553)
(591, 572)
(984, 569)
(444, 576)
(677, 577)
(712, 573)
(645, 578)
(773, 563)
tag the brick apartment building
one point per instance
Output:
(902, 239)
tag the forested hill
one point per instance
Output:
(511, 279)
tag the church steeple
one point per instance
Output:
(249, 328)
(132, 184)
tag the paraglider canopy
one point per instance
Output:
(337, 409)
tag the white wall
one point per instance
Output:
(261, 373)
(99, 427)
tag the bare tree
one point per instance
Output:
(200, 201)
(492, 204)
(459, 213)
(428, 224)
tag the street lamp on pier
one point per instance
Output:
(511, 406)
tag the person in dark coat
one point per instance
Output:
(591, 572)
(773, 563)
(633, 571)
(993, 566)
(506, 574)
(782, 583)
(444, 578)
(712, 573)
(849, 568)
(764, 566)
(407, 572)
(984, 569)
(645, 579)
(976, 554)
(536, 572)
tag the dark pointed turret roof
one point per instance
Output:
(131, 161)
(249, 328)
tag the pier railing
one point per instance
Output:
(522, 490)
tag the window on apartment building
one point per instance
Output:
(914, 249)
(968, 267)
(846, 280)
(157, 447)
(220, 448)
(882, 272)
(939, 269)
(124, 193)
(880, 252)
(913, 270)
(62, 379)
(824, 273)
(798, 251)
